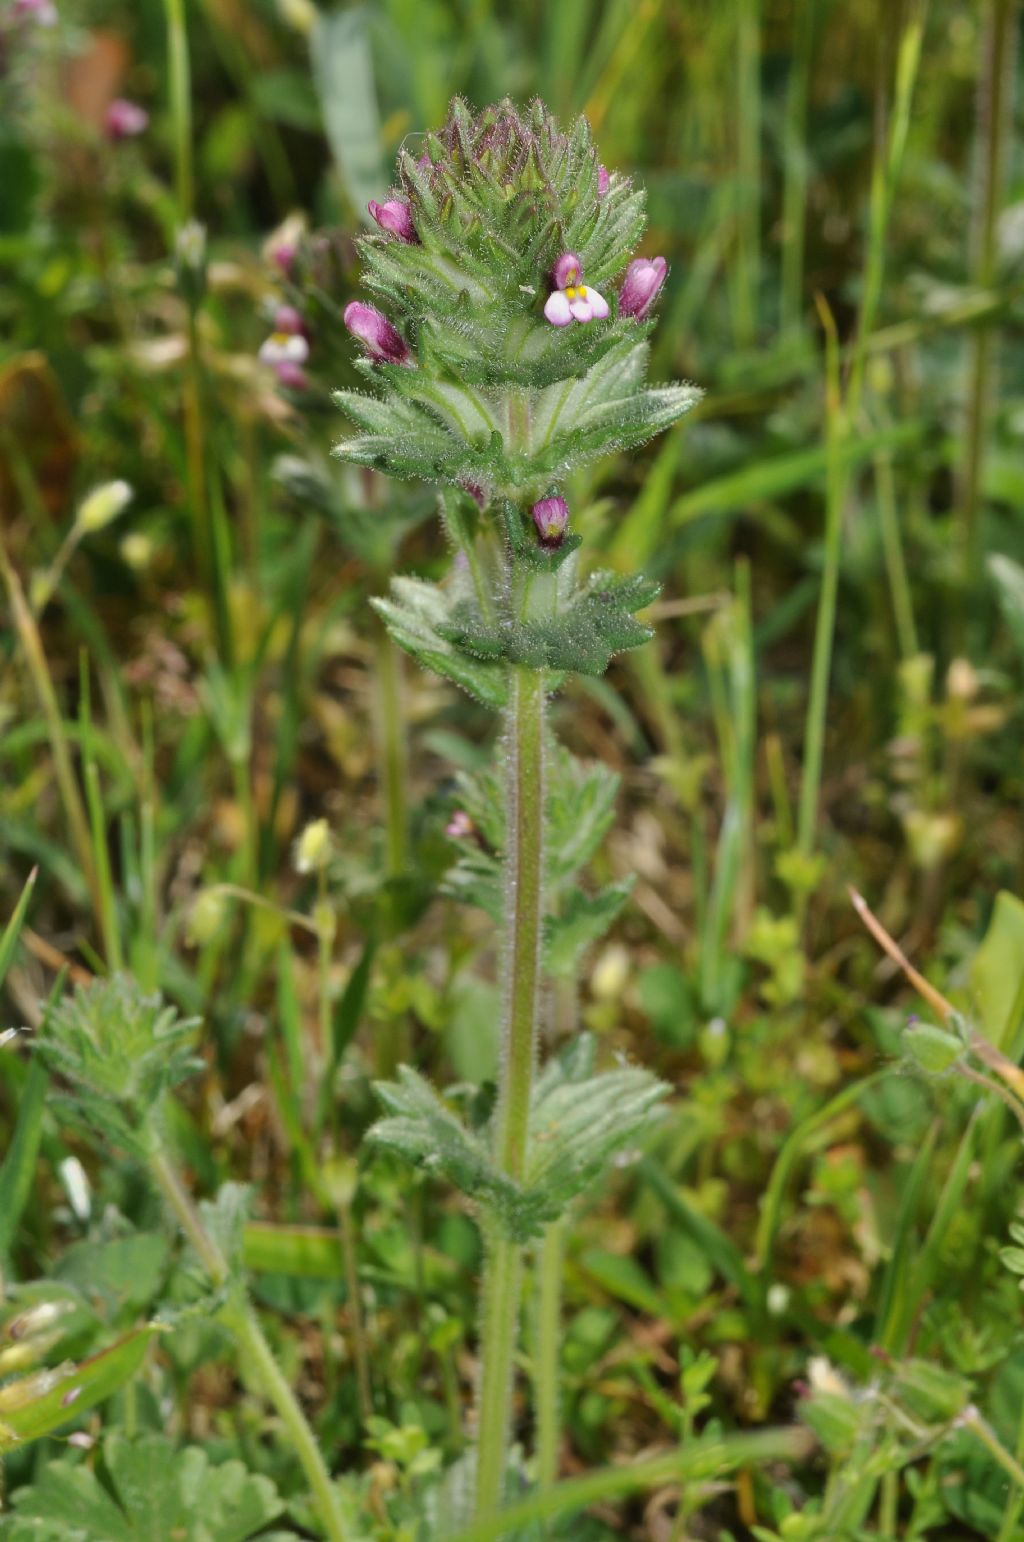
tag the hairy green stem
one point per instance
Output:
(257, 1358)
(524, 899)
(548, 1353)
(393, 757)
(994, 124)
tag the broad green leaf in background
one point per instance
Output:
(997, 970)
(1009, 581)
(343, 70)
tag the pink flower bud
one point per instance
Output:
(382, 341)
(459, 826)
(394, 217)
(124, 119)
(283, 255)
(551, 517)
(476, 492)
(603, 181)
(641, 285)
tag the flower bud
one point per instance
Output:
(551, 517)
(190, 261)
(102, 506)
(205, 917)
(459, 826)
(603, 181)
(641, 286)
(394, 217)
(313, 847)
(300, 14)
(383, 343)
(124, 119)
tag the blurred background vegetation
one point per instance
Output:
(838, 191)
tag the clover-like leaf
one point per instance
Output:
(155, 1493)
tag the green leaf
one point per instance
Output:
(584, 918)
(997, 969)
(578, 1122)
(12, 931)
(420, 1128)
(19, 1162)
(224, 1220)
(933, 1049)
(343, 72)
(413, 616)
(1009, 581)
(306, 1252)
(155, 1493)
(44, 1402)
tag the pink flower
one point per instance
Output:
(459, 826)
(571, 300)
(395, 218)
(551, 517)
(287, 348)
(42, 12)
(383, 343)
(124, 119)
(641, 286)
(603, 181)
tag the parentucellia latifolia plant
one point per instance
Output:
(508, 344)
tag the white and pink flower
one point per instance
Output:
(571, 299)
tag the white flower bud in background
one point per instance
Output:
(300, 14)
(313, 848)
(76, 1187)
(102, 506)
(205, 917)
(610, 973)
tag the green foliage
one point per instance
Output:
(120, 1051)
(579, 1119)
(47, 1400)
(152, 1492)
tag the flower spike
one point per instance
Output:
(571, 299)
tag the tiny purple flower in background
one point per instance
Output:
(459, 826)
(395, 218)
(287, 319)
(641, 285)
(42, 12)
(571, 300)
(283, 256)
(124, 119)
(551, 516)
(603, 181)
(382, 341)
